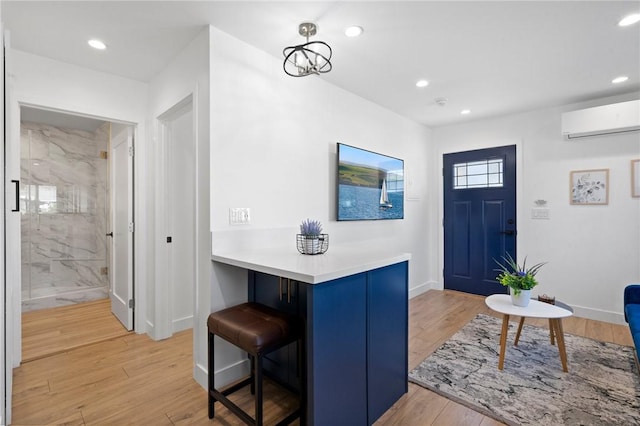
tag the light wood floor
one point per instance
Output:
(133, 380)
(50, 331)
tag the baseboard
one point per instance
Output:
(422, 288)
(224, 376)
(201, 376)
(182, 324)
(598, 314)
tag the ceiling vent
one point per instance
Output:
(611, 119)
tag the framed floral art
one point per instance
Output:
(589, 187)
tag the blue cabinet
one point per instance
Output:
(282, 294)
(387, 340)
(356, 341)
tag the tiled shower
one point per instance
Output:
(64, 213)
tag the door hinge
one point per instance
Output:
(131, 227)
(131, 151)
(132, 304)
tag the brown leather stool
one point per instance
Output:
(258, 330)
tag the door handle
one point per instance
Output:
(17, 182)
(110, 234)
(508, 232)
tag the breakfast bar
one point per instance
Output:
(354, 305)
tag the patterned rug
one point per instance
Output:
(602, 386)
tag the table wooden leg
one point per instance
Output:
(551, 333)
(515, 342)
(503, 340)
(559, 333)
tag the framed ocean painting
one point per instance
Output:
(370, 185)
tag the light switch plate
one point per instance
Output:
(540, 213)
(239, 216)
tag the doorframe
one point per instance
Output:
(6, 379)
(439, 171)
(163, 327)
(14, 305)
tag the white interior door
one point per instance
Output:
(5, 353)
(13, 253)
(181, 218)
(121, 268)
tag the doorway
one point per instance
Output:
(179, 212)
(479, 217)
(65, 218)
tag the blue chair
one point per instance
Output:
(632, 314)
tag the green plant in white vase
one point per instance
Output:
(518, 278)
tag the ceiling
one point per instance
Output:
(493, 58)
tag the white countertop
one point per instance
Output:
(337, 262)
(502, 303)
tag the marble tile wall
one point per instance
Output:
(63, 204)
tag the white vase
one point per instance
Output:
(521, 299)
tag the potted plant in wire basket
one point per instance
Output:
(311, 240)
(519, 279)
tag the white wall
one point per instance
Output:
(187, 75)
(593, 251)
(43, 82)
(273, 149)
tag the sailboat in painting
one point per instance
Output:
(384, 197)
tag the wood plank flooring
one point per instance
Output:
(51, 331)
(132, 380)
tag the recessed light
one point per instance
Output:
(422, 83)
(97, 44)
(620, 79)
(465, 111)
(629, 20)
(354, 31)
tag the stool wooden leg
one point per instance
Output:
(258, 385)
(252, 374)
(211, 401)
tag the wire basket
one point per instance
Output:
(312, 245)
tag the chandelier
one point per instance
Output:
(312, 57)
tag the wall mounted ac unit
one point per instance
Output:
(611, 119)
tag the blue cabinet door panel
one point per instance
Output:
(337, 357)
(387, 338)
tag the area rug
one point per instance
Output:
(602, 386)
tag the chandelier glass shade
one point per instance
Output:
(312, 57)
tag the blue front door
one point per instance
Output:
(479, 217)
